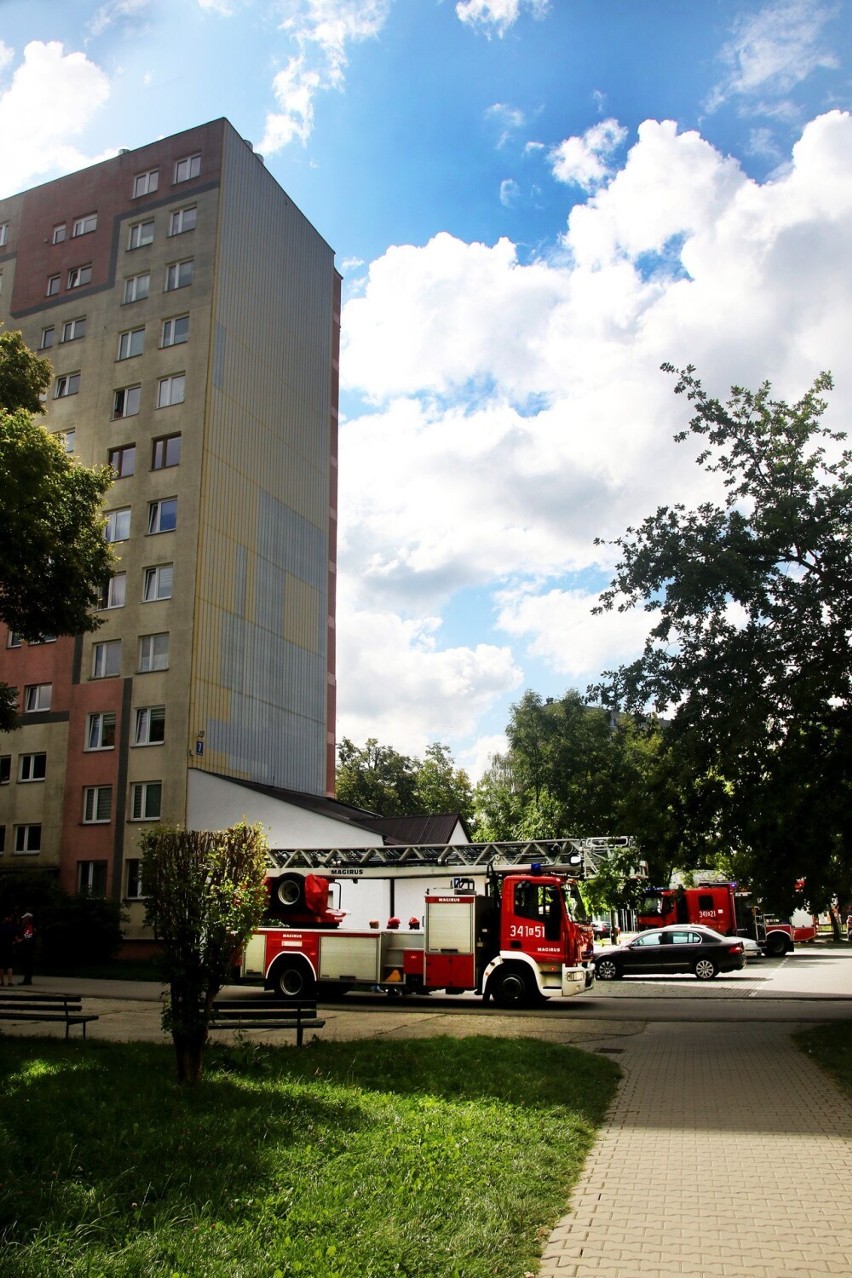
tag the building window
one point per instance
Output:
(85, 225)
(69, 440)
(131, 343)
(162, 515)
(100, 731)
(158, 583)
(37, 696)
(106, 659)
(146, 800)
(166, 452)
(59, 232)
(5, 769)
(179, 274)
(146, 183)
(183, 220)
(123, 460)
(117, 524)
(150, 725)
(4, 233)
(153, 652)
(187, 167)
(13, 641)
(140, 234)
(97, 804)
(134, 880)
(2, 838)
(48, 337)
(137, 287)
(91, 878)
(32, 767)
(53, 283)
(27, 838)
(125, 402)
(79, 276)
(175, 330)
(73, 330)
(114, 591)
(67, 385)
(171, 390)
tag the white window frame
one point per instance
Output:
(67, 384)
(114, 593)
(32, 767)
(175, 331)
(187, 167)
(123, 452)
(145, 732)
(99, 725)
(117, 526)
(54, 284)
(106, 659)
(183, 220)
(153, 652)
(60, 232)
(74, 329)
(146, 795)
(135, 888)
(69, 440)
(141, 233)
(25, 836)
(37, 697)
(171, 390)
(5, 769)
(48, 337)
(135, 290)
(97, 805)
(84, 225)
(146, 183)
(131, 343)
(126, 401)
(157, 583)
(159, 515)
(79, 276)
(175, 273)
(4, 234)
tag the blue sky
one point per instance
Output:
(533, 204)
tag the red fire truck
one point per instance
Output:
(727, 908)
(516, 941)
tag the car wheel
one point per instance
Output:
(292, 978)
(509, 987)
(608, 969)
(705, 969)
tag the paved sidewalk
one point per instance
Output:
(726, 1153)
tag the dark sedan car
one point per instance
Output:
(682, 947)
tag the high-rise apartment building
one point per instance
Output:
(191, 314)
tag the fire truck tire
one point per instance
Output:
(777, 944)
(607, 969)
(292, 978)
(289, 892)
(705, 969)
(511, 987)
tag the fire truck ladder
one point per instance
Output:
(578, 857)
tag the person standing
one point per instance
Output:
(8, 932)
(26, 947)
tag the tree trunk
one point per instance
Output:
(189, 1053)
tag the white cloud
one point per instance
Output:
(772, 51)
(225, 8)
(507, 119)
(38, 139)
(322, 30)
(510, 192)
(495, 17)
(520, 411)
(586, 161)
(118, 11)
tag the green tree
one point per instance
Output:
(381, 780)
(749, 652)
(441, 786)
(206, 892)
(53, 558)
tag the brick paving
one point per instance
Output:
(726, 1154)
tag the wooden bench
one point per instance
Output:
(66, 1009)
(266, 1012)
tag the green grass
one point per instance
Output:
(436, 1158)
(831, 1047)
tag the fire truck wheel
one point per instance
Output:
(292, 978)
(705, 969)
(510, 987)
(607, 969)
(776, 945)
(289, 891)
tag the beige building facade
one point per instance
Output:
(191, 314)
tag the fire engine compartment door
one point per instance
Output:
(450, 951)
(254, 955)
(349, 958)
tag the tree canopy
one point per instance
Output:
(749, 652)
(380, 779)
(53, 557)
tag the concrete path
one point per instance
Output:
(726, 1153)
